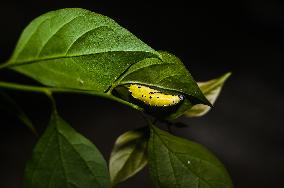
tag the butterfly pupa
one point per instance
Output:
(153, 97)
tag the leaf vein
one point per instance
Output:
(16, 63)
(174, 172)
(61, 157)
(52, 173)
(152, 65)
(53, 34)
(42, 155)
(88, 167)
(31, 35)
(81, 36)
(205, 181)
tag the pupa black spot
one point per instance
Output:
(150, 97)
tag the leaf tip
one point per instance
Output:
(226, 76)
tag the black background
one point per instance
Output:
(245, 129)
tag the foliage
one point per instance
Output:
(129, 155)
(64, 158)
(77, 51)
(176, 162)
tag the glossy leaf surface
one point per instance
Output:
(76, 48)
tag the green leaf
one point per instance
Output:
(63, 159)
(211, 89)
(128, 156)
(76, 48)
(167, 73)
(178, 163)
(9, 105)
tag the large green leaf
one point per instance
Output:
(178, 163)
(9, 105)
(169, 74)
(211, 89)
(128, 155)
(76, 48)
(63, 159)
(79, 49)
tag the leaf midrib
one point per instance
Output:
(43, 154)
(180, 159)
(75, 150)
(19, 63)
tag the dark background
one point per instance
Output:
(245, 129)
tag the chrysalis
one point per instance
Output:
(153, 97)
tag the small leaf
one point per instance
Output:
(167, 73)
(211, 89)
(9, 105)
(77, 48)
(178, 163)
(128, 156)
(63, 159)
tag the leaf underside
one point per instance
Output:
(211, 89)
(128, 156)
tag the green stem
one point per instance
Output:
(53, 103)
(49, 90)
(4, 65)
(14, 86)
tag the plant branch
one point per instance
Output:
(4, 65)
(49, 90)
(20, 87)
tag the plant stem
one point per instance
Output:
(21, 87)
(53, 103)
(49, 90)
(4, 65)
